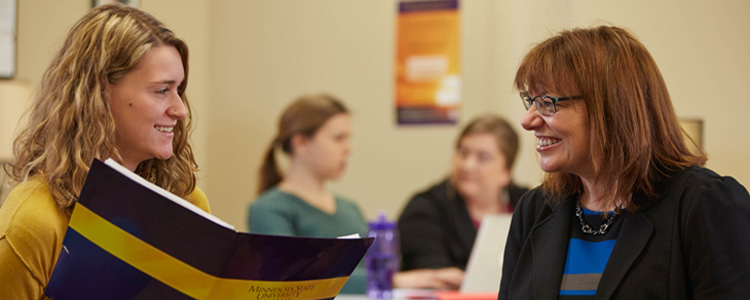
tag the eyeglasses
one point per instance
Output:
(546, 105)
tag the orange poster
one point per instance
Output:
(428, 79)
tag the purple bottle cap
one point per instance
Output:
(382, 223)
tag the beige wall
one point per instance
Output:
(250, 58)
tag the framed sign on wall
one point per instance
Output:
(8, 14)
(692, 129)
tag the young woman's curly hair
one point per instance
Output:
(70, 122)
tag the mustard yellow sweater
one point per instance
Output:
(31, 235)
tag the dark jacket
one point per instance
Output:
(436, 229)
(691, 241)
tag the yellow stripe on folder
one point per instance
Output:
(184, 277)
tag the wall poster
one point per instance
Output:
(428, 79)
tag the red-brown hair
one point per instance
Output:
(635, 137)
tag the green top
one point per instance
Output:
(280, 213)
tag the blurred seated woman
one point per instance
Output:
(315, 132)
(438, 226)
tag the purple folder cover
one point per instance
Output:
(86, 271)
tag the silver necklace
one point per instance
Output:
(586, 228)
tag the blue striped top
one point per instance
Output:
(587, 256)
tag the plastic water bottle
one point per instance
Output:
(382, 259)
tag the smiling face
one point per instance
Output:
(327, 152)
(146, 106)
(563, 138)
(479, 167)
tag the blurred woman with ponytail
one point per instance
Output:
(315, 133)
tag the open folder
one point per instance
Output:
(130, 239)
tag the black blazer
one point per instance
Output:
(691, 241)
(436, 229)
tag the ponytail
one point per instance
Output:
(269, 174)
(303, 117)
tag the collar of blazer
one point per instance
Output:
(549, 241)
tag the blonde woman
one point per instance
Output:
(116, 90)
